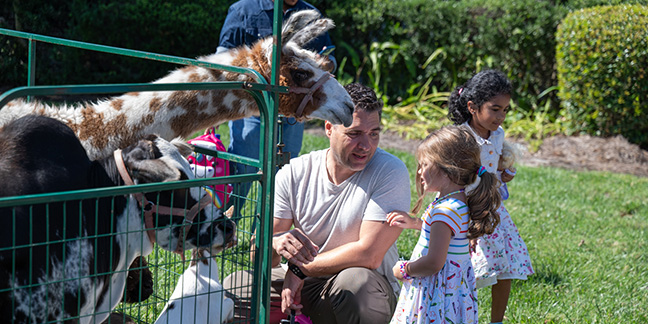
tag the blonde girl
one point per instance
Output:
(438, 280)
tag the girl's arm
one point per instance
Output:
(403, 220)
(430, 264)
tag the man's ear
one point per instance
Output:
(328, 128)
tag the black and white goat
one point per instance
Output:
(67, 261)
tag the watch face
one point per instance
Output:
(296, 270)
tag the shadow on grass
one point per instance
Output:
(545, 276)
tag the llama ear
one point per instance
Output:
(182, 146)
(143, 161)
(303, 26)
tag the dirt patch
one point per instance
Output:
(614, 154)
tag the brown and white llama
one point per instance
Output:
(107, 125)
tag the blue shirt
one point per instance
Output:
(248, 21)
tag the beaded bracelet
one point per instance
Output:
(403, 264)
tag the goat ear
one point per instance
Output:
(303, 26)
(143, 161)
(182, 146)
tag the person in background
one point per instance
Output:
(481, 105)
(248, 21)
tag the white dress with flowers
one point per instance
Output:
(448, 296)
(503, 254)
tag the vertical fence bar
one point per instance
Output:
(31, 65)
(269, 131)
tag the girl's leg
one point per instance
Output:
(500, 296)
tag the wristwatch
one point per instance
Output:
(296, 270)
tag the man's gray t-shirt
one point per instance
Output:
(331, 214)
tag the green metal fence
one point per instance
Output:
(256, 214)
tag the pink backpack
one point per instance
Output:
(204, 166)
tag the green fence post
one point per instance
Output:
(31, 63)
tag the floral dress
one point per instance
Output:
(448, 296)
(503, 254)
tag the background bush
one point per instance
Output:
(174, 27)
(603, 71)
(408, 50)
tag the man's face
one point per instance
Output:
(290, 3)
(354, 146)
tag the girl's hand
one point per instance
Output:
(402, 219)
(472, 245)
(397, 272)
(508, 174)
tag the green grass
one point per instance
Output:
(587, 234)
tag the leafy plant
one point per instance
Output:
(535, 124)
(601, 61)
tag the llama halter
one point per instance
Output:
(309, 92)
(150, 207)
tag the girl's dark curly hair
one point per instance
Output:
(481, 88)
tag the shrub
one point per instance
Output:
(513, 36)
(173, 27)
(602, 65)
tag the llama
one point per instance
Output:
(115, 123)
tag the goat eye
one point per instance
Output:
(300, 76)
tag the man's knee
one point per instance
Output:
(363, 291)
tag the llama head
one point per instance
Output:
(314, 93)
(154, 159)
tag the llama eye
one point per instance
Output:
(299, 76)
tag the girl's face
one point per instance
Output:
(431, 177)
(490, 115)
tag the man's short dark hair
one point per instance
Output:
(364, 98)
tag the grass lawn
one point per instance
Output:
(587, 233)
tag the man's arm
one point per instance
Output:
(368, 251)
(232, 32)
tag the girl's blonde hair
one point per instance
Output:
(454, 151)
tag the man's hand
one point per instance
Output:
(291, 293)
(295, 247)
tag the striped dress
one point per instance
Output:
(450, 295)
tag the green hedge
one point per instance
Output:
(174, 27)
(602, 64)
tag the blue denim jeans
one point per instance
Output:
(244, 140)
